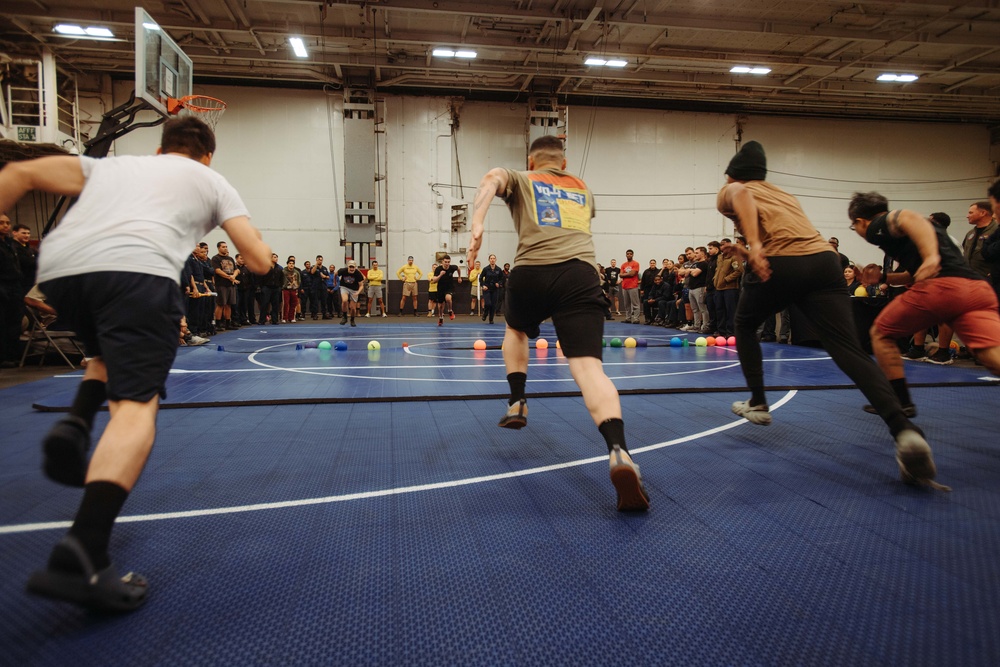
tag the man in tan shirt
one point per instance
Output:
(555, 275)
(789, 263)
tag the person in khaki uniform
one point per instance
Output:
(555, 275)
(789, 263)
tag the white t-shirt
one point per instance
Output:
(139, 215)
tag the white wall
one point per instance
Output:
(654, 173)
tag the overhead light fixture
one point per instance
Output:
(743, 69)
(298, 47)
(603, 62)
(93, 32)
(899, 78)
(465, 54)
(443, 53)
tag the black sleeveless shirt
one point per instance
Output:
(904, 250)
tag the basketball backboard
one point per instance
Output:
(162, 70)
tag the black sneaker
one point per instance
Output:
(65, 451)
(915, 353)
(941, 358)
(908, 410)
(352, 322)
(343, 320)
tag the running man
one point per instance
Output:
(409, 273)
(444, 277)
(351, 281)
(555, 275)
(111, 269)
(789, 263)
(492, 281)
(943, 288)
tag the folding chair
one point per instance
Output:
(40, 332)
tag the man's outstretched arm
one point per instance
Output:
(59, 175)
(494, 182)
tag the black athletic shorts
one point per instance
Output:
(131, 320)
(570, 293)
(439, 296)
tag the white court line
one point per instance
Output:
(162, 516)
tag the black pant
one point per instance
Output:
(270, 304)
(11, 314)
(725, 310)
(317, 301)
(333, 302)
(815, 284)
(490, 303)
(244, 307)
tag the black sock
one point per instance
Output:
(516, 382)
(757, 396)
(89, 399)
(102, 502)
(902, 391)
(613, 431)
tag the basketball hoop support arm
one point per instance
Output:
(115, 123)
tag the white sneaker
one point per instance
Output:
(368, 314)
(916, 465)
(384, 315)
(757, 414)
(197, 340)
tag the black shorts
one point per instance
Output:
(570, 293)
(226, 293)
(131, 320)
(439, 296)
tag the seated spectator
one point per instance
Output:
(871, 280)
(852, 279)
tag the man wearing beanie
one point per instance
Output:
(789, 263)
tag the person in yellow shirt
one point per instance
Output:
(374, 280)
(432, 288)
(474, 281)
(409, 273)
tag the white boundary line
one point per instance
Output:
(258, 507)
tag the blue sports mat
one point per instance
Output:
(420, 534)
(267, 366)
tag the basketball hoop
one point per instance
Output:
(208, 109)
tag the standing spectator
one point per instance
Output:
(728, 274)
(305, 291)
(696, 280)
(271, 284)
(199, 303)
(246, 287)
(226, 279)
(409, 273)
(317, 284)
(445, 276)
(646, 284)
(27, 256)
(474, 287)
(713, 259)
(491, 280)
(432, 288)
(11, 298)
(630, 288)
(351, 281)
(503, 288)
(290, 287)
(981, 216)
(374, 279)
(612, 274)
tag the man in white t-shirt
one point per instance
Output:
(111, 269)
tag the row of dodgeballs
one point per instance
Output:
(339, 345)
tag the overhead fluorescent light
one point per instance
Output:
(901, 78)
(760, 70)
(744, 69)
(616, 63)
(93, 32)
(69, 29)
(298, 47)
(465, 54)
(595, 61)
(443, 53)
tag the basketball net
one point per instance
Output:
(208, 109)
